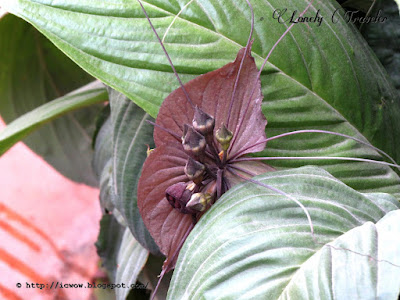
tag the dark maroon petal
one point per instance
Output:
(247, 169)
(212, 93)
(163, 168)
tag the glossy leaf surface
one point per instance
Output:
(33, 72)
(254, 242)
(321, 77)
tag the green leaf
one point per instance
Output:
(25, 124)
(108, 243)
(362, 5)
(102, 165)
(131, 134)
(130, 260)
(320, 77)
(150, 274)
(254, 243)
(384, 38)
(121, 254)
(32, 72)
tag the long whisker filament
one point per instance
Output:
(241, 63)
(237, 131)
(314, 131)
(167, 55)
(317, 158)
(279, 192)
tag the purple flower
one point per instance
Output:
(200, 131)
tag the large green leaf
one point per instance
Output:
(102, 164)
(131, 259)
(131, 136)
(32, 72)
(21, 127)
(322, 77)
(108, 242)
(384, 38)
(121, 254)
(256, 244)
(363, 5)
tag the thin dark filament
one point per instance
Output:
(209, 173)
(368, 14)
(242, 170)
(219, 183)
(358, 253)
(313, 131)
(213, 149)
(279, 192)
(227, 184)
(259, 75)
(224, 184)
(241, 63)
(316, 158)
(172, 259)
(167, 55)
(176, 136)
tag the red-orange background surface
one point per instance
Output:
(48, 227)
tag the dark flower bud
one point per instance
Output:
(203, 122)
(194, 170)
(193, 141)
(178, 195)
(224, 137)
(198, 202)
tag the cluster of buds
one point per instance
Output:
(198, 141)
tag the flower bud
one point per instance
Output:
(203, 122)
(194, 170)
(193, 141)
(178, 195)
(197, 202)
(224, 137)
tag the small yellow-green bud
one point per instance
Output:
(197, 202)
(224, 137)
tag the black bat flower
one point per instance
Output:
(201, 130)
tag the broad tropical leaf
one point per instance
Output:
(25, 124)
(321, 77)
(254, 242)
(384, 39)
(108, 243)
(32, 72)
(121, 254)
(102, 165)
(131, 135)
(130, 261)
